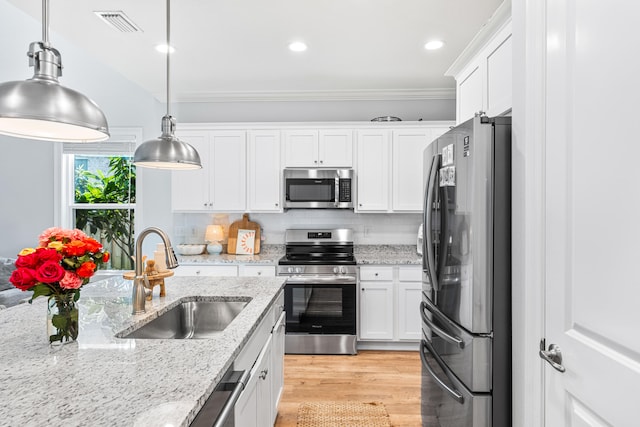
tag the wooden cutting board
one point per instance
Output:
(243, 224)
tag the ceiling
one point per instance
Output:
(237, 49)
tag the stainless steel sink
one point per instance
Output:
(191, 320)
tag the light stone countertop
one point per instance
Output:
(269, 255)
(101, 380)
(387, 254)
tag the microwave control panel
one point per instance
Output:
(345, 190)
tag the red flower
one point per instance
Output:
(49, 272)
(45, 255)
(75, 248)
(92, 245)
(86, 269)
(27, 261)
(105, 257)
(23, 278)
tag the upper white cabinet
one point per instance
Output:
(483, 72)
(221, 183)
(264, 171)
(318, 148)
(373, 170)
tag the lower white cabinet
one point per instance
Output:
(263, 354)
(257, 270)
(207, 270)
(390, 303)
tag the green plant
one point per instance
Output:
(113, 225)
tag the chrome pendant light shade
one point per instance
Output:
(41, 108)
(167, 151)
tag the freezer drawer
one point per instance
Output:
(468, 356)
(446, 402)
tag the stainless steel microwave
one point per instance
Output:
(319, 188)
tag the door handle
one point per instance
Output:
(553, 356)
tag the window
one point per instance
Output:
(99, 193)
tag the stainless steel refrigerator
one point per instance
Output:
(466, 290)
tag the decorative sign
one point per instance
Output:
(245, 242)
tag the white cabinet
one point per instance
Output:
(257, 270)
(373, 170)
(408, 168)
(207, 270)
(264, 171)
(376, 303)
(390, 299)
(263, 355)
(409, 292)
(483, 72)
(318, 148)
(221, 183)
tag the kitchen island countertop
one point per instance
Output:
(101, 380)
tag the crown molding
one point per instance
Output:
(320, 95)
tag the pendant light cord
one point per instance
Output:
(45, 22)
(168, 56)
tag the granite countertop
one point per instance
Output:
(101, 380)
(387, 254)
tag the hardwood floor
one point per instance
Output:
(391, 377)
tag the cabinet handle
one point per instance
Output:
(376, 274)
(321, 161)
(276, 205)
(259, 273)
(360, 204)
(198, 273)
(363, 289)
(315, 162)
(210, 203)
(205, 204)
(263, 374)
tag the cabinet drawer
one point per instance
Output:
(376, 273)
(207, 270)
(258, 270)
(410, 274)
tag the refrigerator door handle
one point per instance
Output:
(430, 265)
(441, 333)
(424, 346)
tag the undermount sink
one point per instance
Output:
(191, 320)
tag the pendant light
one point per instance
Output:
(41, 108)
(167, 151)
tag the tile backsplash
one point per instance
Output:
(368, 228)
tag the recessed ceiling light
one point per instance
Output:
(434, 44)
(162, 48)
(297, 46)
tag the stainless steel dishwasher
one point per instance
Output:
(218, 410)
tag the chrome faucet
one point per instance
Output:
(140, 291)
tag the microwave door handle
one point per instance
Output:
(452, 392)
(441, 333)
(428, 251)
(336, 200)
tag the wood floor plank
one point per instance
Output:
(391, 377)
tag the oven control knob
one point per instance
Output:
(336, 270)
(343, 270)
(290, 270)
(298, 270)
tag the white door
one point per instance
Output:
(228, 170)
(335, 148)
(408, 148)
(301, 148)
(592, 209)
(263, 170)
(373, 175)
(190, 189)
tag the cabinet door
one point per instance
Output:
(408, 148)
(254, 404)
(228, 156)
(264, 171)
(499, 78)
(301, 148)
(373, 176)
(190, 189)
(277, 365)
(408, 310)
(335, 148)
(470, 95)
(376, 310)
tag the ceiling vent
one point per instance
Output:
(118, 20)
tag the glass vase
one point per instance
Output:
(62, 319)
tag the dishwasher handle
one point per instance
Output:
(227, 409)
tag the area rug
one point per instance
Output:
(343, 414)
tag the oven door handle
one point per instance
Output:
(333, 280)
(227, 409)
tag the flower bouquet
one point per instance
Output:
(63, 262)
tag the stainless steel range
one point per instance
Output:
(320, 292)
